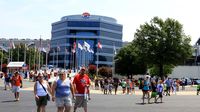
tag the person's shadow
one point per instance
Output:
(7, 101)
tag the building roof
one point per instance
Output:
(16, 64)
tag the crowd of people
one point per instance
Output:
(64, 90)
(59, 87)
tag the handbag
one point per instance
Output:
(48, 97)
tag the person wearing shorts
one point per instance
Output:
(145, 89)
(61, 90)
(41, 87)
(6, 81)
(160, 91)
(16, 84)
(81, 84)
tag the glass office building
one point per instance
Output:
(75, 38)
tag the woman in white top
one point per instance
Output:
(40, 91)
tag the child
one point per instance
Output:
(160, 91)
(154, 92)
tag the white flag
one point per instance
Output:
(91, 51)
(12, 45)
(80, 46)
(87, 46)
(114, 49)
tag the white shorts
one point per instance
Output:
(7, 83)
(63, 101)
(15, 89)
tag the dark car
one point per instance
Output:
(197, 82)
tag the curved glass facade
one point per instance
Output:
(74, 41)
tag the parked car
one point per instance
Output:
(197, 82)
(189, 81)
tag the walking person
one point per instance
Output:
(81, 84)
(41, 87)
(174, 86)
(154, 91)
(6, 81)
(168, 86)
(61, 90)
(16, 83)
(160, 91)
(115, 84)
(145, 89)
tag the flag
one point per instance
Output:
(58, 47)
(114, 49)
(73, 50)
(74, 45)
(29, 44)
(87, 46)
(66, 51)
(35, 49)
(12, 45)
(80, 46)
(99, 45)
(91, 51)
(49, 47)
(43, 50)
(3, 48)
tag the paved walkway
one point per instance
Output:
(28, 86)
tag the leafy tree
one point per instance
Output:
(128, 62)
(162, 43)
(167, 69)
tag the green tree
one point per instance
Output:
(32, 55)
(167, 69)
(162, 43)
(128, 62)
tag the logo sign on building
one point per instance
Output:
(86, 15)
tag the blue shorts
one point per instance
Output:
(63, 101)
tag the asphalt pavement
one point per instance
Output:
(187, 101)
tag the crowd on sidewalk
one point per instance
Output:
(64, 90)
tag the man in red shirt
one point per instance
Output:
(16, 84)
(81, 84)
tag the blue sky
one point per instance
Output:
(32, 18)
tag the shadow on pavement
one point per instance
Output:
(8, 101)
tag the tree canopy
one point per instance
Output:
(162, 42)
(128, 62)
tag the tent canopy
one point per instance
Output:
(16, 64)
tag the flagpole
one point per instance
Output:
(97, 61)
(65, 59)
(1, 58)
(11, 54)
(53, 56)
(18, 53)
(113, 71)
(34, 58)
(57, 59)
(25, 53)
(47, 57)
(29, 60)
